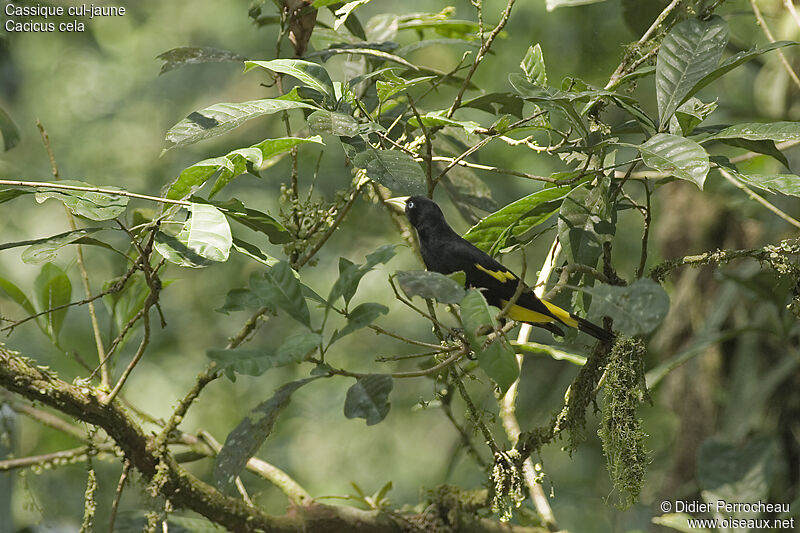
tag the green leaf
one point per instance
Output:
(499, 362)
(368, 398)
(736, 60)
(16, 294)
(431, 285)
(91, 205)
(773, 131)
(294, 349)
(678, 522)
(584, 224)
(467, 191)
(44, 250)
(533, 65)
(781, 183)
(689, 115)
(255, 220)
(690, 52)
(254, 252)
(555, 4)
(555, 353)
(391, 84)
(189, 55)
(309, 74)
(333, 123)
(759, 147)
(53, 289)
(350, 274)
(506, 225)
(175, 249)
(224, 117)
(679, 156)
(209, 233)
(738, 472)
(244, 441)
(7, 195)
(8, 130)
(239, 300)
(498, 359)
(362, 316)
(637, 309)
(440, 118)
(395, 170)
(279, 287)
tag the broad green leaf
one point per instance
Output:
(584, 223)
(467, 191)
(678, 522)
(368, 398)
(736, 60)
(773, 131)
(689, 115)
(679, 156)
(239, 300)
(344, 12)
(91, 205)
(392, 84)
(279, 287)
(439, 118)
(555, 353)
(255, 220)
(189, 55)
(333, 123)
(406, 50)
(637, 309)
(8, 131)
(689, 52)
(360, 317)
(193, 177)
(244, 441)
(350, 274)
(222, 118)
(53, 289)
(555, 4)
(759, 147)
(294, 349)
(395, 170)
(360, 50)
(16, 294)
(498, 359)
(498, 104)
(740, 472)
(254, 252)
(533, 65)
(451, 28)
(782, 183)
(514, 220)
(44, 250)
(259, 156)
(175, 249)
(499, 362)
(9, 194)
(430, 285)
(209, 233)
(309, 74)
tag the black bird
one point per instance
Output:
(444, 251)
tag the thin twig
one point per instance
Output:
(216, 446)
(763, 25)
(123, 477)
(790, 6)
(105, 378)
(645, 232)
(484, 49)
(112, 192)
(758, 198)
(473, 411)
(137, 356)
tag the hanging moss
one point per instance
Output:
(621, 430)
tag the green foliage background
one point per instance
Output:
(106, 109)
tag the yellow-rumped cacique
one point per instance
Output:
(444, 251)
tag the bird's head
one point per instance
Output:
(420, 211)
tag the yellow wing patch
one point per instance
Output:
(500, 275)
(523, 314)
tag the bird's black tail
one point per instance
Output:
(594, 330)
